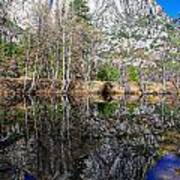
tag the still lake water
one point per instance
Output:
(61, 138)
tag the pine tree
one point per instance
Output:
(81, 8)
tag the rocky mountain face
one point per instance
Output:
(132, 26)
(110, 12)
(128, 24)
(26, 12)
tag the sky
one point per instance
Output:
(171, 7)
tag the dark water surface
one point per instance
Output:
(89, 139)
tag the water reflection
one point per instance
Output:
(85, 138)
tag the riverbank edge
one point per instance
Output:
(28, 86)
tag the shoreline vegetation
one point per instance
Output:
(24, 102)
(46, 87)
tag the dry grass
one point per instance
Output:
(82, 88)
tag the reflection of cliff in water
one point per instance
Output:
(107, 140)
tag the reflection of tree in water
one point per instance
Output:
(75, 141)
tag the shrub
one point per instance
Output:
(133, 73)
(108, 73)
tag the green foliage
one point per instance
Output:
(10, 49)
(131, 107)
(174, 37)
(124, 34)
(12, 25)
(107, 109)
(108, 73)
(169, 26)
(173, 65)
(133, 73)
(81, 8)
(143, 22)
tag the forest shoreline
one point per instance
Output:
(46, 87)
